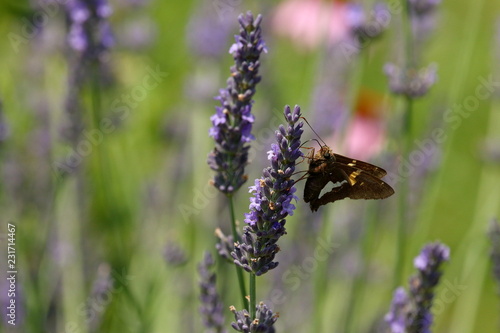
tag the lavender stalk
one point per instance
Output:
(271, 204)
(410, 83)
(263, 322)
(494, 234)
(232, 122)
(412, 313)
(211, 307)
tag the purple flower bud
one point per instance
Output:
(225, 245)
(263, 322)
(431, 257)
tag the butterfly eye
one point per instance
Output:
(327, 155)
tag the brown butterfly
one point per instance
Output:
(350, 179)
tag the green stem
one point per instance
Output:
(408, 36)
(253, 293)
(144, 324)
(403, 195)
(321, 280)
(239, 270)
(406, 145)
(358, 286)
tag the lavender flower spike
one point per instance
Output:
(232, 122)
(211, 306)
(272, 201)
(413, 314)
(263, 322)
(494, 233)
(423, 7)
(422, 285)
(396, 318)
(89, 29)
(411, 83)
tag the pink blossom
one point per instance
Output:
(365, 134)
(310, 22)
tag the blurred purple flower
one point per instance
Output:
(414, 312)
(488, 149)
(4, 128)
(90, 37)
(207, 34)
(422, 285)
(211, 307)
(396, 318)
(174, 255)
(365, 27)
(232, 122)
(429, 259)
(411, 83)
(329, 104)
(494, 234)
(423, 18)
(136, 33)
(263, 322)
(272, 201)
(102, 289)
(89, 29)
(134, 27)
(422, 7)
(422, 28)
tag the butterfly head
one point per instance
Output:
(326, 153)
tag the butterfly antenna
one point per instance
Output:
(307, 141)
(314, 131)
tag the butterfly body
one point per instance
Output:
(350, 178)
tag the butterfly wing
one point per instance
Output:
(351, 182)
(364, 185)
(370, 168)
(316, 181)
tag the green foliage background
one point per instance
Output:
(130, 199)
